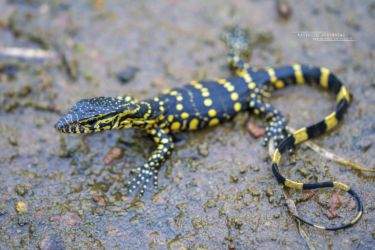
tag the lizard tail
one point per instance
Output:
(328, 81)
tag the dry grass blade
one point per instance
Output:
(338, 159)
(333, 157)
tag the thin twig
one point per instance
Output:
(292, 206)
(293, 209)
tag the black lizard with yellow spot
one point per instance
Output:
(201, 104)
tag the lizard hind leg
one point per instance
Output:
(235, 62)
(276, 123)
(276, 128)
(237, 41)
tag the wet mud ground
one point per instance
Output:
(217, 191)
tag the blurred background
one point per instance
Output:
(217, 191)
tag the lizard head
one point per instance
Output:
(102, 113)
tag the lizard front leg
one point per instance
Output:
(149, 171)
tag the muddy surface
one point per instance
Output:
(217, 191)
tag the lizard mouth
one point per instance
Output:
(60, 126)
(74, 128)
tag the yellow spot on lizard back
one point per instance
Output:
(207, 102)
(234, 96)
(237, 106)
(175, 126)
(214, 122)
(193, 125)
(179, 106)
(211, 112)
(184, 115)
